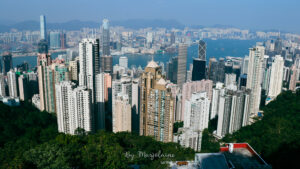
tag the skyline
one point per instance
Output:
(251, 15)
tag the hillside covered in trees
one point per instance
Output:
(276, 137)
(29, 139)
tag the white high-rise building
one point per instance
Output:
(245, 65)
(122, 114)
(73, 108)
(275, 84)
(12, 83)
(23, 88)
(230, 79)
(123, 61)
(89, 62)
(232, 111)
(2, 86)
(195, 121)
(100, 101)
(254, 79)
(64, 107)
(129, 87)
(197, 111)
(217, 91)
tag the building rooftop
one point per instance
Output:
(233, 156)
(152, 64)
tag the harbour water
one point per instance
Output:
(215, 48)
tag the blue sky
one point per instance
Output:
(259, 14)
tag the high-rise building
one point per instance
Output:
(276, 77)
(122, 113)
(172, 67)
(232, 111)
(230, 79)
(55, 42)
(23, 87)
(127, 87)
(295, 77)
(123, 61)
(63, 40)
(196, 120)
(99, 112)
(172, 39)
(212, 69)
(157, 105)
(7, 62)
(105, 38)
(74, 69)
(106, 64)
(43, 61)
(89, 76)
(43, 30)
(278, 46)
(193, 87)
(74, 109)
(254, 78)
(245, 65)
(12, 83)
(202, 50)
(181, 64)
(43, 47)
(197, 111)
(199, 69)
(217, 92)
(89, 64)
(2, 85)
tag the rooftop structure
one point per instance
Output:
(233, 156)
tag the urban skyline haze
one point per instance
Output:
(254, 14)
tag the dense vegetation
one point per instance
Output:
(276, 136)
(29, 139)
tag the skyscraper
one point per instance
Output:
(2, 85)
(74, 109)
(23, 87)
(254, 77)
(217, 91)
(123, 61)
(199, 69)
(122, 114)
(189, 88)
(106, 64)
(55, 42)
(105, 38)
(89, 76)
(12, 83)
(157, 105)
(7, 62)
(276, 78)
(202, 50)
(181, 63)
(99, 112)
(196, 120)
(232, 111)
(89, 63)
(43, 30)
(127, 87)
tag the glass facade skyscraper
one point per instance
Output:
(55, 40)
(43, 30)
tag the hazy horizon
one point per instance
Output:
(254, 14)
